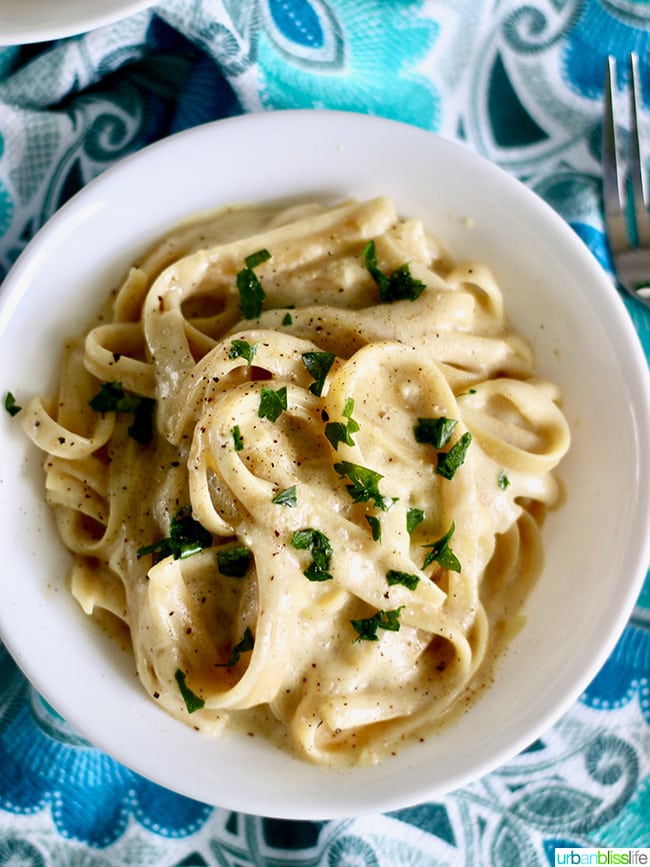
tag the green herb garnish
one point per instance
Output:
(375, 526)
(234, 562)
(272, 403)
(251, 293)
(111, 397)
(413, 518)
(192, 701)
(341, 432)
(398, 286)
(309, 539)
(407, 579)
(287, 497)
(365, 484)
(434, 431)
(243, 349)
(10, 404)
(449, 462)
(318, 364)
(287, 319)
(502, 480)
(442, 553)
(238, 439)
(367, 627)
(247, 643)
(186, 537)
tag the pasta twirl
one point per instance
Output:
(304, 462)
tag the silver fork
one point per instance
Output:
(628, 228)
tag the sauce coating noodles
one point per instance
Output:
(337, 516)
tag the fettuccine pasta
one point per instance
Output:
(303, 459)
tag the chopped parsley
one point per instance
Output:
(192, 701)
(398, 286)
(10, 404)
(272, 403)
(318, 364)
(234, 562)
(449, 462)
(287, 319)
(238, 439)
(375, 527)
(441, 552)
(502, 480)
(341, 432)
(367, 627)
(186, 537)
(243, 349)
(251, 293)
(365, 484)
(287, 497)
(247, 643)
(407, 579)
(434, 431)
(111, 397)
(309, 539)
(413, 518)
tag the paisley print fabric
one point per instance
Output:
(520, 83)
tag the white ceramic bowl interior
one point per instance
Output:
(597, 544)
(26, 21)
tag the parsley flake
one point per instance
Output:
(309, 539)
(192, 701)
(407, 579)
(186, 537)
(111, 397)
(367, 627)
(414, 517)
(251, 293)
(434, 431)
(375, 527)
(234, 562)
(247, 643)
(287, 497)
(398, 286)
(272, 403)
(449, 462)
(441, 552)
(341, 432)
(365, 484)
(502, 480)
(238, 439)
(10, 404)
(318, 364)
(243, 349)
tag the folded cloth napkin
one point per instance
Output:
(520, 83)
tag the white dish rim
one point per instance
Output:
(81, 208)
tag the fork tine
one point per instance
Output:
(636, 158)
(624, 187)
(614, 214)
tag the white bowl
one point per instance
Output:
(42, 20)
(597, 545)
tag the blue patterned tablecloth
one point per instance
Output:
(522, 84)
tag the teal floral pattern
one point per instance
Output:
(520, 83)
(374, 68)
